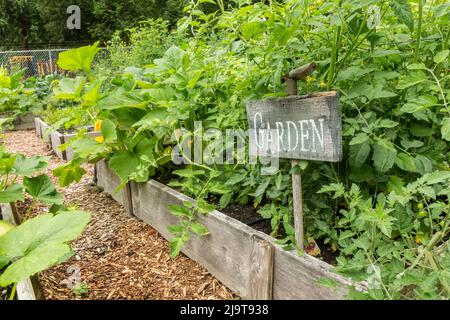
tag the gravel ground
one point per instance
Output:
(118, 256)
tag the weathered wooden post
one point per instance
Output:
(298, 128)
(297, 193)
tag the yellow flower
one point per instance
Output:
(98, 125)
(322, 84)
(100, 139)
(309, 79)
(419, 238)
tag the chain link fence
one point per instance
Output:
(36, 62)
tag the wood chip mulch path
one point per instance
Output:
(118, 256)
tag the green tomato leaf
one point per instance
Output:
(384, 155)
(204, 207)
(359, 154)
(445, 129)
(199, 229)
(406, 162)
(441, 56)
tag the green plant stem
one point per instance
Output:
(13, 291)
(334, 57)
(30, 208)
(440, 89)
(419, 31)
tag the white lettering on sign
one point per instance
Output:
(289, 136)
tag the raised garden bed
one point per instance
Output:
(41, 128)
(247, 261)
(21, 122)
(56, 138)
(29, 289)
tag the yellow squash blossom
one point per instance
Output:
(98, 125)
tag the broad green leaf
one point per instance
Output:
(69, 89)
(402, 10)
(172, 60)
(419, 104)
(12, 193)
(154, 119)
(180, 211)
(225, 199)
(199, 229)
(5, 227)
(87, 147)
(378, 92)
(411, 79)
(109, 130)
(423, 164)
(417, 66)
(353, 73)
(68, 173)
(441, 56)
(236, 178)
(188, 173)
(177, 243)
(92, 94)
(36, 261)
(42, 188)
(79, 59)
(204, 207)
(445, 129)
(386, 123)
(359, 138)
(7, 163)
(122, 99)
(396, 184)
(124, 164)
(26, 166)
(405, 162)
(421, 131)
(252, 29)
(359, 154)
(384, 155)
(38, 243)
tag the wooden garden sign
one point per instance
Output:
(307, 128)
(298, 128)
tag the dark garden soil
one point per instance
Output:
(118, 256)
(75, 130)
(4, 292)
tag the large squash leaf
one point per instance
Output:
(39, 243)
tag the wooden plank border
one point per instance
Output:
(227, 251)
(57, 139)
(261, 269)
(109, 182)
(21, 122)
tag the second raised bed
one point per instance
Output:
(247, 261)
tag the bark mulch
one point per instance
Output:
(118, 256)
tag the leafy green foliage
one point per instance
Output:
(42, 241)
(38, 244)
(394, 101)
(42, 189)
